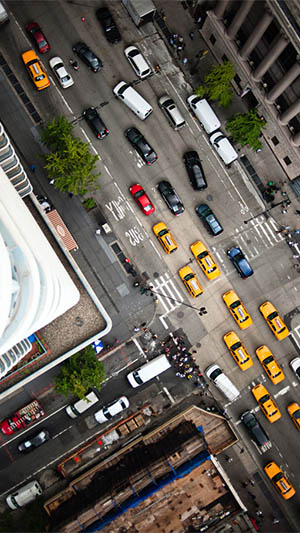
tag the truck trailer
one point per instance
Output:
(141, 11)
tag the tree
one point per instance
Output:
(69, 162)
(246, 128)
(81, 372)
(217, 84)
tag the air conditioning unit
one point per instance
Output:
(251, 63)
(278, 107)
(238, 42)
(265, 85)
(291, 128)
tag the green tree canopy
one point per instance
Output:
(245, 128)
(80, 372)
(217, 84)
(69, 161)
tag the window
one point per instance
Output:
(212, 39)
(224, 58)
(287, 160)
(275, 141)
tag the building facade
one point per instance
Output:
(262, 40)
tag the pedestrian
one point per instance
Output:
(251, 495)
(82, 19)
(32, 168)
(292, 243)
(175, 36)
(296, 256)
(283, 193)
(71, 194)
(51, 182)
(252, 482)
(136, 329)
(228, 459)
(154, 337)
(283, 211)
(242, 450)
(98, 231)
(259, 513)
(145, 350)
(297, 212)
(245, 484)
(185, 60)
(171, 41)
(191, 35)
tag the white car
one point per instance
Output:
(113, 409)
(139, 64)
(64, 78)
(295, 365)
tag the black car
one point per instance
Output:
(89, 58)
(95, 123)
(171, 197)
(240, 262)
(139, 142)
(108, 24)
(209, 220)
(34, 442)
(195, 170)
(255, 430)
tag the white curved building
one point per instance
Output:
(35, 288)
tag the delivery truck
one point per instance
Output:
(141, 11)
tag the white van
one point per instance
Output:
(133, 100)
(221, 381)
(204, 113)
(148, 371)
(223, 147)
(24, 495)
(79, 407)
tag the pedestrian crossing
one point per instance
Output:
(167, 295)
(259, 234)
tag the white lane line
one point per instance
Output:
(282, 391)
(90, 143)
(168, 394)
(294, 337)
(61, 432)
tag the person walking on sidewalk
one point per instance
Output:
(191, 35)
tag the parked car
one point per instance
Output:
(171, 197)
(111, 410)
(58, 67)
(195, 171)
(138, 62)
(142, 199)
(35, 70)
(87, 56)
(295, 365)
(108, 24)
(255, 430)
(96, 124)
(209, 220)
(240, 262)
(38, 37)
(171, 111)
(139, 142)
(35, 441)
(279, 480)
(294, 411)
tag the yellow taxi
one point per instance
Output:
(294, 411)
(35, 70)
(274, 320)
(238, 350)
(237, 309)
(165, 238)
(205, 260)
(269, 364)
(190, 281)
(279, 480)
(266, 403)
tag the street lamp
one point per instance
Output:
(287, 201)
(145, 290)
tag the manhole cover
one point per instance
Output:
(78, 321)
(155, 274)
(180, 314)
(209, 197)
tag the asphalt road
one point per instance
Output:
(229, 194)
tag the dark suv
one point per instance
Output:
(95, 123)
(89, 58)
(108, 24)
(171, 197)
(195, 171)
(240, 262)
(139, 142)
(255, 430)
(209, 220)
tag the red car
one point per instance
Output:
(38, 37)
(142, 199)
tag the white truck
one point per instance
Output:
(3, 14)
(141, 11)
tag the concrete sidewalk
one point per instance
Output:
(174, 18)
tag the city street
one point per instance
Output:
(230, 194)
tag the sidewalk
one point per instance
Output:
(178, 20)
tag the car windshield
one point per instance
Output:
(215, 373)
(296, 414)
(236, 345)
(203, 254)
(264, 398)
(138, 194)
(134, 53)
(235, 304)
(272, 315)
(163, 232)
(42, 43)
(268, 360)
(188, 277)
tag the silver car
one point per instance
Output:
(138, 62)
(65, 79)
(111, 410)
